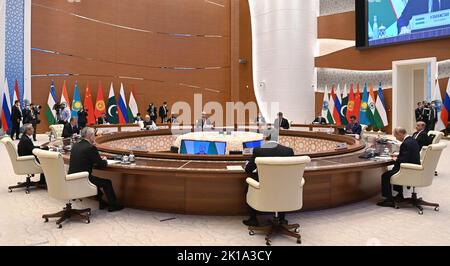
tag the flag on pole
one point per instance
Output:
(133, 109)
(100, 106)
(65, 96)
(357, 102)
(351, 103)
(89, 106)
(344, 106)
(381, 107)
(122, 106)
(6, 108)
(437, 99)
(325, 107)
(76, 103)
(445, 115)
(50, 113)
(336, 108)
(112, 107)
(363, 119)
(373, 116)
(17, 94)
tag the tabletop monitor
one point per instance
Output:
(253, 144)
(195, 147)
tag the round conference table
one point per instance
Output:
(206, 185)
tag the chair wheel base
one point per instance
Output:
(69, 213)
(276, 227)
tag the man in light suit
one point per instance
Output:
(417, 7)
(269, 149)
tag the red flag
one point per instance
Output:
(336, 112)
(17, 94)
(89, 106)
(100, 106)
(357, 102)
(351, 103)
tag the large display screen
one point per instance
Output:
(397, 21)
(194, 147)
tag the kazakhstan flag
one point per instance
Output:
(76, 103)
(363, 119)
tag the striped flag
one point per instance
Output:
(372, 113)
(122, 106)
(50, 113)
(381, 107)
(325, 107)
(17, 94)
(445, 115)
(337, 107)
(437, 98)
(133, 109)
(65, 96)
(6, 108)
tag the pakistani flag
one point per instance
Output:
(373, 115)
(50, 113)
(112, 107)
(133, 109)
(326, 107)
(344, 106)
(76, 103)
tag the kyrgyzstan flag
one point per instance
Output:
(100, 106)
(357, 102)
(89, 106)
(351, 103)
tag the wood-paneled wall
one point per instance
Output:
(140, 43)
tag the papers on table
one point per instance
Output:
(235, 168)
(112, 162)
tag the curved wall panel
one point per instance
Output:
(284, 42)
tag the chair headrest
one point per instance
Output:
(283, 160)
(6, 140)
(438, 147)
(46, 154)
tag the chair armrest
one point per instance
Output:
(76, 176)
(410, 166)
(253, 183)
(26, 158)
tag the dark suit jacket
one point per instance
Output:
(84, 157)
(101, 121)
(277, 151)
(409, 153)
(26, 146)
(15, 114)
(419, 114)
(422, 138)
(70, 130)
(284, 124)
(355, 129)
(163, 111)
(320, 120)
(27, 116)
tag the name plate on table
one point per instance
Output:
(430, 20)
(107, 130)
(341, 146)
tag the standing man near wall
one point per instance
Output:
(16, 118)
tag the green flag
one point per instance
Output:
(372, 114)
(344, 106)
(112, 107)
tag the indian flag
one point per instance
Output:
(50, 113)
(133, 109)
(326, 107)
(373, 115)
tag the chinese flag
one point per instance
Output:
(89, 106)
(100, 106)
(351, 103)
(357, 102)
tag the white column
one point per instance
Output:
(284, 42)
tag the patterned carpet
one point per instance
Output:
(358, 224)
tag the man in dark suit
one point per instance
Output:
(433, 117)
(83, 158)
(409, 153)
(320, 120)
(71, 128)
(419, 112)
(163, 112)
(269, 149)
(26, 146)
(16, 118)
(82, 118)
(354, 127)
(102, 120)
(417, 7)
(421, 135)
(152, 112)
(281, 122)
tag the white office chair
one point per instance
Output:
(280, 189)
(24, 165)
(65, 187)
(436, 137)
(57, 131)
(413, 175)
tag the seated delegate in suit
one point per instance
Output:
(269, 149)
(84, 157)
(71, 128)
(409, 153)
(26, 146)
(203, 122)
(417, 7)
(421, 135)
(102, 120)
(149, 124)
(320, 120)
(281, 122)
(354, 127)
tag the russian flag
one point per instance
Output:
(122, 106)
(337, 108)
(445, 114)
(6, 108)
